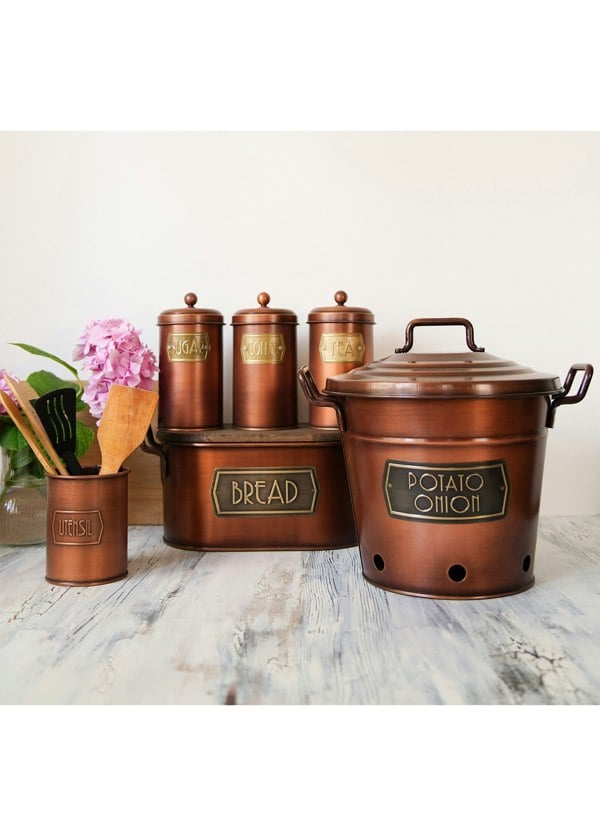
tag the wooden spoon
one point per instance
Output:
(124, 424)
(30, 438)
(24, 393)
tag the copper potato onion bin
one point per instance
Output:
(445, 457)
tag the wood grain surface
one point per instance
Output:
(297, 628)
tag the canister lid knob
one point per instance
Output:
(190, 299)
(263, 299)
(341, 297)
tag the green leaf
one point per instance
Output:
(10, 437)
(40, 353)
(44, 382)
(84, 436)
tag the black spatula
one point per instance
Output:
(57, 412)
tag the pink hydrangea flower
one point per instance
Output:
(5, 388)
(111, 351)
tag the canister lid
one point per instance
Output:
(340, 312)
(264, 315)
(471, 374)
(190, 314)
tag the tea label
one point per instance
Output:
(263, 348)
(77, 528)
(188, 348)
(342, 348)
(449, 493)
(263, 492)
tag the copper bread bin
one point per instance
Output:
(190, 367)
(245, 490)
(264, 367)
(445, 457)
(340, 339)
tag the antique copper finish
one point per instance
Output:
(241, 490)
(86, 542)
(264, 367)
(340, 339)
(191, 367)
(445, 457)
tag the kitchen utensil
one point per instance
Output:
(21, 424)
(57, 412)
(124, 423)
(445, 456)
(24, 393)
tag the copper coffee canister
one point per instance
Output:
(190, 367)
(445, 457)
(341, 339)
(265, 367)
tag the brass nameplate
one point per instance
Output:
(342, 348)
(188, 348)
(449, 493)
(264, 492)
(77, 528)
(263, 348)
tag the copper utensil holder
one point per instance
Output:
(86, 542)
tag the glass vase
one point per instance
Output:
(23, 500)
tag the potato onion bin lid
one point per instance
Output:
(340, 312)
(190, 314)
(472, 374)
(264, 315)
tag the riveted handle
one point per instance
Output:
(563, 396)
(449, 320)
(317, 398)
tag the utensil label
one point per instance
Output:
(449, 493)
(264, 492)
(342, 348)
(263, 348)
(77, 528)
(188, 348)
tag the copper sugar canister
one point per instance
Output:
(190, 367)
(265, 367)
(341, 338)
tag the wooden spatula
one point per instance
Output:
(24, 393)
(124, 424)
(21, 424)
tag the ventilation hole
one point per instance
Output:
(457, 573)
(378, 561)
(527, 563)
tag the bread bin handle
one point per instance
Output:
(563, 396)
(155, 448)
(317, 398)
(450, 320)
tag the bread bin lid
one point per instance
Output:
(264, 315)
(190, 315)
(340, 312)
(471, 374)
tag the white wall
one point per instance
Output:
(502, 228)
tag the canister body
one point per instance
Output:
(264, 368)
(340, 339)
(190, 368)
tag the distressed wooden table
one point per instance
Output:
(297, 628)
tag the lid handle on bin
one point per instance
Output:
(451, 320)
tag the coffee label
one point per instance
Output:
(262, 348)
(449, 493)
(77, 528)
(342, 348)
(188, 348)
(264, 491)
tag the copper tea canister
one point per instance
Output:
(265, 367)
(445, 457)
(190, 367)
(340, 339)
